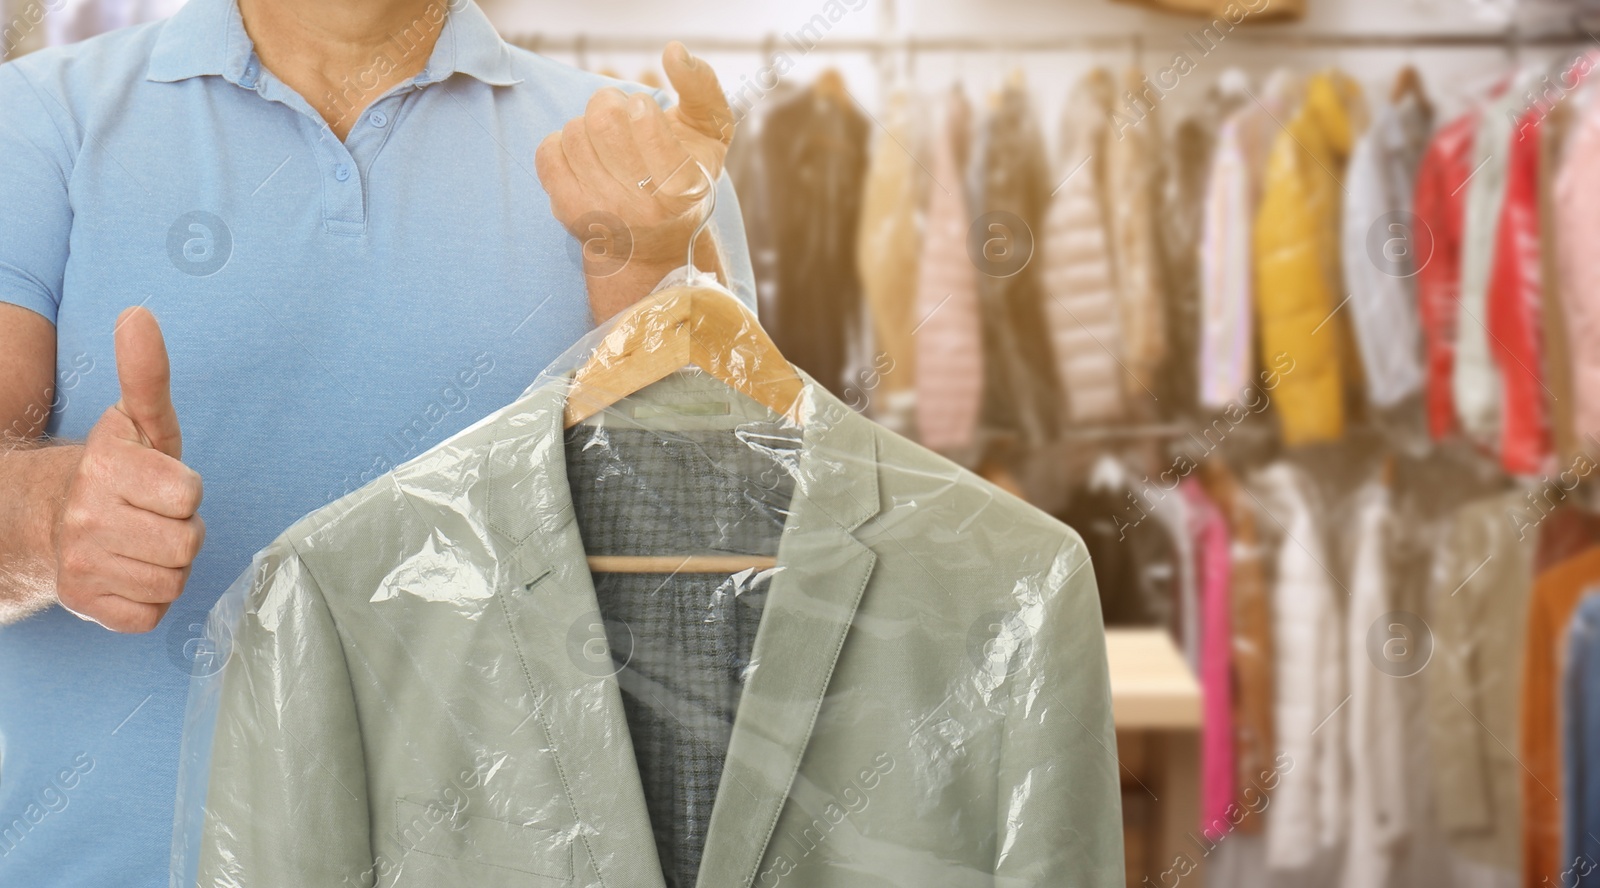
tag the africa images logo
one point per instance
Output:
(199, 244)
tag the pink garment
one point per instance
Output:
(949, 353)
(1577, 231)
(1209, 532)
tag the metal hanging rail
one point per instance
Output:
(1263, 38)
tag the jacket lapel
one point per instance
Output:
(822, 571)
(554, 616)
(553, 613)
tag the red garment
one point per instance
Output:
(1515, 319)
(1440, 205)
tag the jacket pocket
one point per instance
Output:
(488, 852)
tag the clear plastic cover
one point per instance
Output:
(873, 668)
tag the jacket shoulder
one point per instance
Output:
(953, 513)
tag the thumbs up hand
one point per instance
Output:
(129, 530)
(628, 159)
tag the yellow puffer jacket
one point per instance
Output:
(1298, 282)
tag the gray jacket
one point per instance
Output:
(411, 697)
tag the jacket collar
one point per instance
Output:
(208, 38)
(821, 575)
(838, 471)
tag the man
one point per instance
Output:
(352, 218)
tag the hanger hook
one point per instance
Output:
(704, 223)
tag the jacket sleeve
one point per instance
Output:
(287, 801)
(1059, 822)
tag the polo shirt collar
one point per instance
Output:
(207, 38)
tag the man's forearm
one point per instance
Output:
(615, 286)
(33, 486)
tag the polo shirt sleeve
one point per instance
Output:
(35, 211)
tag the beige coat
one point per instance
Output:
(1132, 147)
(888, 245)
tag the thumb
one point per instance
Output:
(701, 103)
(146, 380)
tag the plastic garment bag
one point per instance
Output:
(897, 674)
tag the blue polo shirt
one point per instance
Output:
(331, 309)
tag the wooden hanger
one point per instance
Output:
(693, 325)
(1409, 82)
(685, 326)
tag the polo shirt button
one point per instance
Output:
(378, 119)
(342, 172)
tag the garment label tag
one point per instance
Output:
(704, 408)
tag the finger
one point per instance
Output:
(152, 539)
(608, 120)
(567, 196)
(152, 481)
(598, 183)
(123, 615)
(700, 100)
(145, 376)
(673, 171)
(88, 573)
(141, 581)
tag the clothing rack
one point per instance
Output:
(1126, 432)
(1263, 38)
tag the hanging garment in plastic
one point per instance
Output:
(1440, 206)
(1133, 172)
(1021, 403)
(1250, 633)
(815, 158)
(1182, 213)
(1227, 244)
(1209, 533)
(949, 340)
(1299, 286)
(1309, 806)
(888, 248)
(1475, 382)
(1081, 304)
(427, 683)
(1580, 692)
(1381, 183)
(1557, 592)
(1478, 612)
(1577, 223)
(1517, 292)
(1135, 553)
(1380, 819)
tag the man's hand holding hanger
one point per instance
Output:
(628, 163)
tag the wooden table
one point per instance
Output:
(1155, 704)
